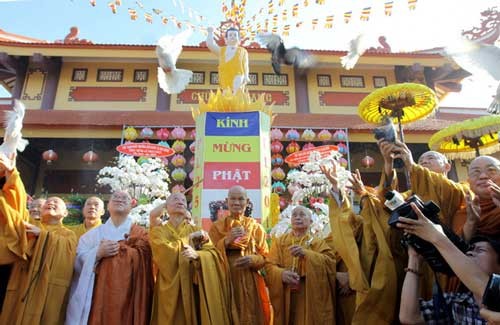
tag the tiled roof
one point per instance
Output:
(14, 38)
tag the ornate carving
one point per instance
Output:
(385, 48)
(72, 38)
(490, 27)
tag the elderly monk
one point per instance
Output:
(233, 60)
(242, 242)
(192, 285)
(113, 282)
(38, 288)
(35, 209)
(93, 210)
(300, 274)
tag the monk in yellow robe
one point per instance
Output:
(192, 285)
(300, 274)
(93, 210)
(242, 242)
(233, 60)
(38, 288)
(35, 210)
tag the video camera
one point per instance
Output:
(424, 248)
(491, 297)
(387, 131)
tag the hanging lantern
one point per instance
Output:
(283, 203)
(342, 147)
(292, 188)
(130, 134)
(49, 156)
(292, 147)
(147, 133)
(278, 187)
(164, 143)
(343, 162)
(276, 134)
(308, 135)
(339, 136)
(277, 160)
(324, 135)
(162, 134)
(367, 162)
(179, 175)
(179, 146)
(308, 145)
(276, 146)
(178, 160)
(90, 157)
(178, 133)
(292, 135)
(278, 174)
(192, 146)
(192, 134)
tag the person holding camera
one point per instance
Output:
(473, 268)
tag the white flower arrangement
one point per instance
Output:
(147, 182)
(311, 187)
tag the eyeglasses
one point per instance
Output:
(490, 171)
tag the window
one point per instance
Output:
(111, 75)
(379, 82)
(141, 75)
(214, 78)
(270, 79)
(198, 78)
(79, 75)
(324, 80)
(352, 82)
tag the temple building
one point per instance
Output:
(80, 96)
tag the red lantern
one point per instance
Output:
(49, 156)
(367, 162)
(276, 146)
(90, 157)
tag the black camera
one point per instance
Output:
(424, 248)
(387, 131)
(491, 296)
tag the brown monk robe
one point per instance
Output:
(242, 242)
(192, 286)
(113, 282)
(38, 289)
(300, 274)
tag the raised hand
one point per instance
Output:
(494, 192)
(331, 174)
(356, 185)
(422, 227)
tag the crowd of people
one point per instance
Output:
(118, 272)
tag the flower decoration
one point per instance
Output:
(308, 145)
(178, 160)
(278, 174)
(292, 188)
(276, 146)
(179, 146)
(277, 160)
(283, 203)
(178, 133)
(178, 188)
(162, 133)
(292, 147)
(308, 135)
(179, 175)
(192, 146)
(278, 187)
(130, 134)
(276, 134)
(147, 133)
(324, 135)
(292, 134)
(147, 183)
(339, 136)
(342, 147)
(164, 143)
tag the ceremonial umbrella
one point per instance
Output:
(403, 103)
(463, 140)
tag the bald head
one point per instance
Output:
(237, 200)
(120, 204)
(301, 219)
(54, 210)
(93, 209)
(482, 170)
(435, 161)
(35, 208)
(176, 204)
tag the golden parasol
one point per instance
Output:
(464, 139)
(404, 103)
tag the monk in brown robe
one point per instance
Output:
(93, 210)
(242, 242)
(300, 274)
(113, 282)
(38, 288)
(192, 285)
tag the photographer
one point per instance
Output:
(473, 269)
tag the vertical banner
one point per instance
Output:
(231, 149)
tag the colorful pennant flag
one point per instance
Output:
(148, 17)
(298, 24)
(388, 8)
(347, 16)
(132, 13)
(314, 23)
(157, 11)
(329, 22)
(281, 2)
(286, 30)
(275, 20)
(295, 10)
(118, 2)
(284, 15)
(270, 8)
(92, 3)
(365, 14)
(274, 30)
(412, 4)
(306, 3)
(112, 6)
(140, 4)
(320, 2)
(164, 20)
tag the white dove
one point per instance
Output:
(480, 60)
(13, 123)
(359, 45)
(168, 49)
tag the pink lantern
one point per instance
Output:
(292, 135)
(147, 133)
(367, 162)
(308, 135)
(192, 134)
(162, 134)
(177, 189)
(179, 146)
(276, 146)
(339, 136)
(342, 147)
(283, 203)
(192, 146)
(292, 147)
(308, 145)
(49, 156)
(343, 162)
(292, 188)
(276, 134)
(324, 135)
(90, 157)
(178, 133)
(278, 174)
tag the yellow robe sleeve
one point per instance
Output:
(13, 213)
